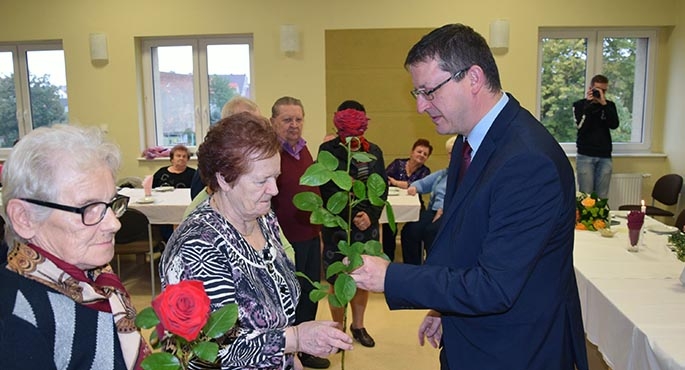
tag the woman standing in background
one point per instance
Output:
(351, 121)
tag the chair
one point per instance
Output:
(680, 221)
(666, 191)
(130, 182)
(134, 238)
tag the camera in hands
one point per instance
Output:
(595, 93)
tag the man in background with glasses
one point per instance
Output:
(499, 282)
(62, 306)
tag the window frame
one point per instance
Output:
(595, 37)
(22, 82)
(200, 80)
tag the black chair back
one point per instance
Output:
(667, 189)
(133, 227)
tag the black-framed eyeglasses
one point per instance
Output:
(428, 94)
(91, 214)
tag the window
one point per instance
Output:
(33, 90)
(186, 83)
(569, 58)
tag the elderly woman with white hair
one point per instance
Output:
(424, 230)
(62, 306)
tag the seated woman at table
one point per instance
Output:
(401, 173)
(62, 307)
(178, 174)
(231, 243)
(423, 231)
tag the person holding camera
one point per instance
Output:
(595, 116)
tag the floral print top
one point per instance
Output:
(208, 248)
(397, 169)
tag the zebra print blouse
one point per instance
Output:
(208, 248)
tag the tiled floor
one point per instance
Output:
(394, 331)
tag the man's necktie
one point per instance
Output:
(465, 160)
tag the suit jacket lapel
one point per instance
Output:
(461, 191)
(455, 194)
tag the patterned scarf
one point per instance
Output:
(99, 289)
(352, 123)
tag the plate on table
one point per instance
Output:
(164, 188)
(393, 191)
(146, 200)
(607, 233)
(662, 229)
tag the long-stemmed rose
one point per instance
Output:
(352, 192)
(181, 315)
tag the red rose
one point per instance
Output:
(350, 122)
(183, 308)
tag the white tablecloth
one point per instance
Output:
(405, 207)
(167, 208)
(633, 303)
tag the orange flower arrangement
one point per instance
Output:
(592, 212)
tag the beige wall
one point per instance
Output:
(367, 65)
(674, 110)
(674, 93)
(110, 94)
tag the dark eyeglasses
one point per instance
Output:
(428, 94)
(91, 214)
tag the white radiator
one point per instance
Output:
(626, 188)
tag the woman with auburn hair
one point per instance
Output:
(401, 173)
(418, 236)
(231, 243)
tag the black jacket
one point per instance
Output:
(594, 122)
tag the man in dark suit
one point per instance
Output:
(499, 281)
